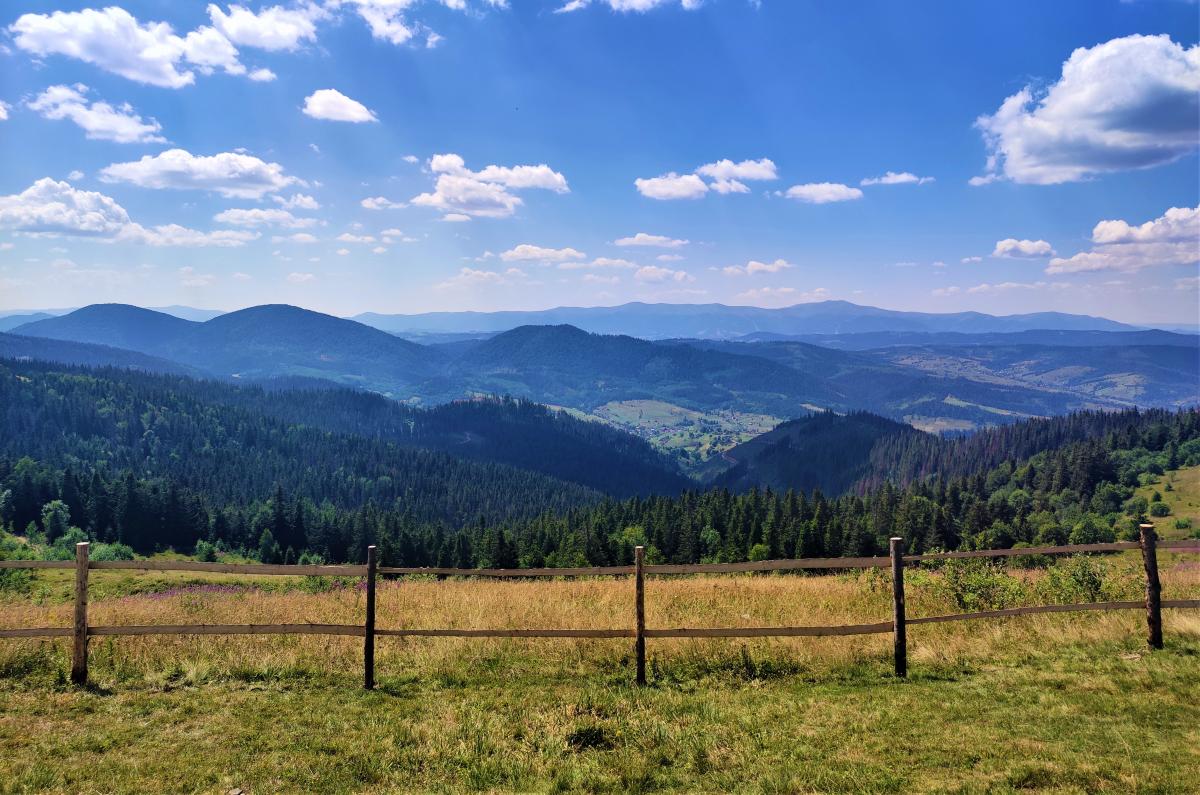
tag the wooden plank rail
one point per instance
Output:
(81, 631)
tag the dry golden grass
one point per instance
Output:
(701, 601)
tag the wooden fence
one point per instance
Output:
(81, 631)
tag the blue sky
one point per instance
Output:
(415, 155)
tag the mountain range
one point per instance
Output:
(717, 392)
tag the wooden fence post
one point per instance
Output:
(369, 627)
(1149, 541)
(639, 557)
(899, 634)
(79, 654)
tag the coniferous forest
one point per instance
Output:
(147, 462)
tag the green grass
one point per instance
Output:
(1097, 718)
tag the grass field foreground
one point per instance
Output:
(1070, 703)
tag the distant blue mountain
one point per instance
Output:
(718, 321)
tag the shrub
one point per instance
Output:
(974, 584)
(1078, 578)
(1183, 524)
(1160, 509)
(760, 552)
(111, 552)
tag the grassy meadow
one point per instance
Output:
(1065, 703)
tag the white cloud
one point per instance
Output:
(115, 41)
(55, 208)
(411, 159)
(1171, 239)
(1022, 249)
(1125, 104)
(600, 262)
(754, 266)
(726, 177)
(388, 19)
(595, 278)
(672, 186)
(396, 235)
(301, 278)
(346, 237)
(461, 193)
(231, 174)
(1005, 287)
(209, 50)
(945, 292)
(297, 201)
(190, 278)
(242, 277)
(656, 241)
(530, 253)
(4, 106)
(51, 207)
(263, 75)
(332, 105)
(823, 192)
(1188, 283)
(300, 237)
(893, 178)
(111, 39)
(456, 218)
(381, 203)
(655, 274)
(99, 120)
(379, 250)
(343, 252)
(788, 295)
(669, 257)
(273, 28)
(260, 217)
(969, 260)
(471, 277)
(729, 177)
(640, 6)
(176, 235)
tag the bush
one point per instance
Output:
(111, 552)
(760, 552)
(974, 584)
(1078, 578)
(1160, 509)
(1183, 524)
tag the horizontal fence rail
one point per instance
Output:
(82, 631)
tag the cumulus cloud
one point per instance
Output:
(261, 217)
(389, 20)
(626, 5)
(99, 120)
(655, 241)
(332, 105)
(672, 186)
(1171, 239)
(823, 192)
(530, 253)
(754, 266)
(231, 174)
(1128, 103)
(656, 275)
(346, 237)
(1022, 249)
(969, 260)
(783, 294)
(725, 176)
(381, 203)
(301, 278)
(461, 193)
(472, 277)
(115, 41)
(49, 207)
(4, 106)
(303, 238)
(1006, 287)
(297, 201)
(273, 28)
(599, 262)
(894, 178)
(595, 278)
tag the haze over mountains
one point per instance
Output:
(932, 378)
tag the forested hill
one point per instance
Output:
(496, 430)
(825, 451)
